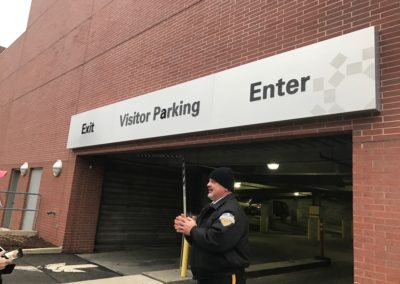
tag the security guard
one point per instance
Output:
(219, 235)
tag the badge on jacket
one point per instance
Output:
(227, 219)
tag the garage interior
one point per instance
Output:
(142, 193)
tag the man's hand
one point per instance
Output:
(4, 261)
(184, 224)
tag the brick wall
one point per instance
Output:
(83, 209)
(376, 212)
(75, 57)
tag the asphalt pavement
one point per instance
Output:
(54, 268)
(141, 264)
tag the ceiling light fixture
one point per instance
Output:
(273, 166)
(237, 184)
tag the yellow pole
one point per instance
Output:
(185, 249)
(185, 256)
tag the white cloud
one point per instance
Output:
(13, 20)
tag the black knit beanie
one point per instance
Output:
(224, 176)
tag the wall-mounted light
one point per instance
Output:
(237, 184)
(24, 168)
(273, 166)
(57, 167)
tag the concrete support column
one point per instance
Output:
(265, 217)
(313, 223)
(347, 229)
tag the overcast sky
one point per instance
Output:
(13, 20)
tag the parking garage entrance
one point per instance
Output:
(312, 186)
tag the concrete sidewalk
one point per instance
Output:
(271, 254)
(172, 276)
(136, 279)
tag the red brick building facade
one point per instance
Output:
(80, 55)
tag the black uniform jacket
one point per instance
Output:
(219, 243)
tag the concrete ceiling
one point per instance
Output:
(322, 163)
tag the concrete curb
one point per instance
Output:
(29, 233)
(42, 250)
(5, 232)
(171, 276)
(137, 279)
(257, 270)
(270, 268)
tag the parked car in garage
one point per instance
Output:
(251, 205)
(280, 209)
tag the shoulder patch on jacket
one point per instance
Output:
(227, 219)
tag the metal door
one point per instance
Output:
(138, 204)
(32, 200)
(11, 198)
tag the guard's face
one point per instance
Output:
(215, 190)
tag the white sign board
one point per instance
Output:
(331, 77)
